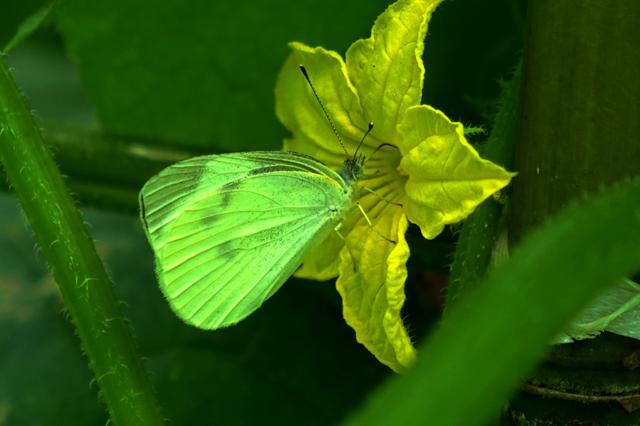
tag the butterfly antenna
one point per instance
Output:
(382, 145)
(369, 129)
(324, 110)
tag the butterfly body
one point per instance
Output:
(228, 230)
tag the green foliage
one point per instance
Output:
(615, 311)
(174, 71)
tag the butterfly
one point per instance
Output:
(228, 230)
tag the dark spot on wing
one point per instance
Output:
(227, 191)
(286, 154)
(226, 250)
(270, 169)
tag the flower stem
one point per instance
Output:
(480, 230)
(87, 290)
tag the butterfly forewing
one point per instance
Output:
(240, 232)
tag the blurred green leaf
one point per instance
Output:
(14, 13)
(494, 336)
(198, 72)
(28, 26)
(202, 73)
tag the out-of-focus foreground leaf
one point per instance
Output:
(494, 335)
(294, 359)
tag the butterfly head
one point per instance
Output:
(352, 168)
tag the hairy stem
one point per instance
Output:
(480, 230)
(87, 290)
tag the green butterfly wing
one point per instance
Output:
(228, 230)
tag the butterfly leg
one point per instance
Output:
(337, 229)
(381, 197)
(373, 228)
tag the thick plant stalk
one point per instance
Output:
(87, 290)
(580, 108)
(578, 132)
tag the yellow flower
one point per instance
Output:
(433, 177)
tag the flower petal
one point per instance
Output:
(421, 122)
(380, 188)
(372, 276)
(322, 262)
(300, 112)
(387, 68)
(447, 177)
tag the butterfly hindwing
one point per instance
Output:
(230, 243)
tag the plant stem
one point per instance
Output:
(105, 171)
(578, 132)
(125, 162)
(580, 121)
(87, 290)
(480, 230)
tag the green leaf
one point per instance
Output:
(495, 335)
(29, 26)
(14, 13)
(196, 73)
(615, 311)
